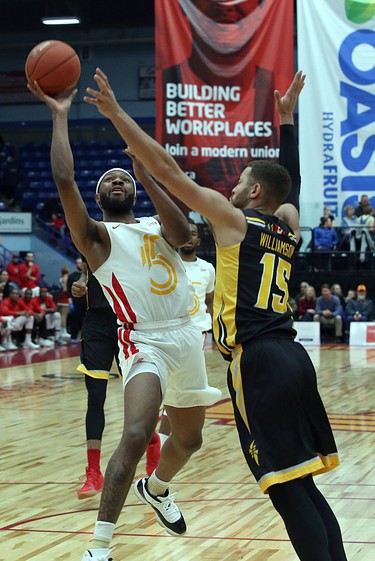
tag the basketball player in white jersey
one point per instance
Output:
(160, 350)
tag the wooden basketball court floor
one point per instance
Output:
(43, 405)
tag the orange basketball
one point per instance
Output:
(54, 65)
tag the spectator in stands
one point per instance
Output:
(302, 290)
(77, 307)
(360, 308)
(350, 295)
(364, 202)
(22, 318)
(63, 301)
(349, 223)
(58, 223)
(52, 316)
(29, 274)
(363, 241)
(13, 269)
(325, 241)
(337, 291)
(306, 305)
(367, 219)
(327, 213)
(325, 237)
(328, 312)
(39, 329)
(5, 284)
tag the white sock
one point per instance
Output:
(156, 486)
(102, 534)
(28, 338)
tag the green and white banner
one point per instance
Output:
(336, 49)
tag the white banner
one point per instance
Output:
(15, 222)
(336, 49)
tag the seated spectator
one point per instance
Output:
(349, 224)
(327, 213)
(306, 305)
(39, 329)
(13, 269)
(52, 316)
(58, 223)
(363, 240)
(22, 318)
(325, 241)
(350, 295)
(336, 290)
(302, 290)
(325, 237)
(367, 218)
(361, 205)
(360, 308)
(29, 274)
(328, 312)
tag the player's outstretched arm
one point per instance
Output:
(87, 235)
(211, 204)
(289, 157)
(175, 227)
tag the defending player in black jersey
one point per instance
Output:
(283, 427)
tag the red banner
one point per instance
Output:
(217, 65)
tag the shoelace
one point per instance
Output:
(89, 477)
(169, 505)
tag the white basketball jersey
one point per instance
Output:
(144, 278)
(202, 276)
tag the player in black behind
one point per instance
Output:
(282, 424)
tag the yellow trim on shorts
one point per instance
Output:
(314, 466)
(235, 369)
(97, 374)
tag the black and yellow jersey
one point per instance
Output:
(251, 292)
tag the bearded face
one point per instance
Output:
(117, 193)
(116, 205)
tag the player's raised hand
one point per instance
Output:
(285, 104)
(61, 104)
(104, 99)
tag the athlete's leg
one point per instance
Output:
(95, 419)
(185, 439)
(95, 422)
(306, 529)
(142, 399)
(335, 544)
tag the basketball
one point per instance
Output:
(54, 65)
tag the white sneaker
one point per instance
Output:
(10, 346)
(45, 342)
(167, 512)
(97, 555)
(2, 349)
(30, 345)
